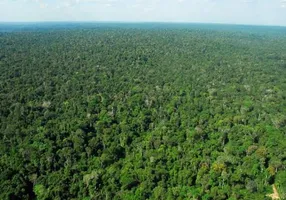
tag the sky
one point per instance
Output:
(258, 12)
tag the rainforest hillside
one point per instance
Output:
(152, 112)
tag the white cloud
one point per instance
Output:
(220, 11)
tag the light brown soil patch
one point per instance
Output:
(274, 195)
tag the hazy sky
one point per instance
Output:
(267, 12)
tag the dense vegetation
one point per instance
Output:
(151, 113)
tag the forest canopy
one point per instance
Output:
(150, 111)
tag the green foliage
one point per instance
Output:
(40, 191)
(142, 113)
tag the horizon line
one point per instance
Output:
(140, 22)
